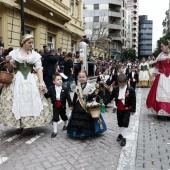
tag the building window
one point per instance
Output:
(28, 30)
(96, 19)
(51, 41)
(73, 46)
(96, 6)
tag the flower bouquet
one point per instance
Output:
(94, 109)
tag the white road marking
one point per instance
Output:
(128, 153)
(34, 138)
(12, 138)
(3, 159)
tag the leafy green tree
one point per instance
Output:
(129, 54)
(158, 49)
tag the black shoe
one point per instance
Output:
(119, 138)
(64, 127)
(114, 110)
(123, 142)
(53, 135)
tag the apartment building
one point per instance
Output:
(145, 36)
(166, 21)
(133, 7)
(56, 23)
(105, 24)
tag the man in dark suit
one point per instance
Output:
(49, 67)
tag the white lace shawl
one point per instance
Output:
(89, 89)
(161, 56)
(34, 59)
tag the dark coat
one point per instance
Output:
(63, 96)
(68, 64)
(49, 64)
(130, 101)
(114, 79)
(136, 76)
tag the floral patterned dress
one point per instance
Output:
(22, 103)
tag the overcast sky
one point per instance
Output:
(155, 9)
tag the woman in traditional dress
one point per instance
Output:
(151, 63)
(158, 99)
(81, 123)
(144, 73)
(23, 104)
(103, 86)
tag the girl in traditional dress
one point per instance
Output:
(158, 99)
(81, 123)
(144, 73)
(23, 104)
(103, 86)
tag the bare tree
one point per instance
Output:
(98, 30)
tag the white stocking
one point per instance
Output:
(55, 126)
(121, 130)
(124, 132)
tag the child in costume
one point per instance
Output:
(81, 123)
(58, 95)
(125, 100)
(133, 77)
(103, 86)
(114, 80)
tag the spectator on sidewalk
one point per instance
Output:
(49, 67)
(68, 70)
(125, 99)
(60, 60)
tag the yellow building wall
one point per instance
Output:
(10, 29)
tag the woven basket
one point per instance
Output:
(5, 77)
(95, 112)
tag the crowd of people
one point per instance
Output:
(25, 104)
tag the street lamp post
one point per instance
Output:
(22, 17)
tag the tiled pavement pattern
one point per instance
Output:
(153, 151)
(63, 152)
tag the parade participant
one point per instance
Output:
(119, 70)
(158, 99)
(103, 87)
(144, 73)
(125, 99)
(114, 80)
(23, 104)
(81, 123)
(151, 66)
(58, 95)
(133, 77)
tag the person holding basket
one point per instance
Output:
(22, 102)
(82, 123)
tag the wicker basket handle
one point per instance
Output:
(7, 68)
(3, 62)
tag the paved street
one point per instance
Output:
(147, 148)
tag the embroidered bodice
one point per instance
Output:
(163, 66)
